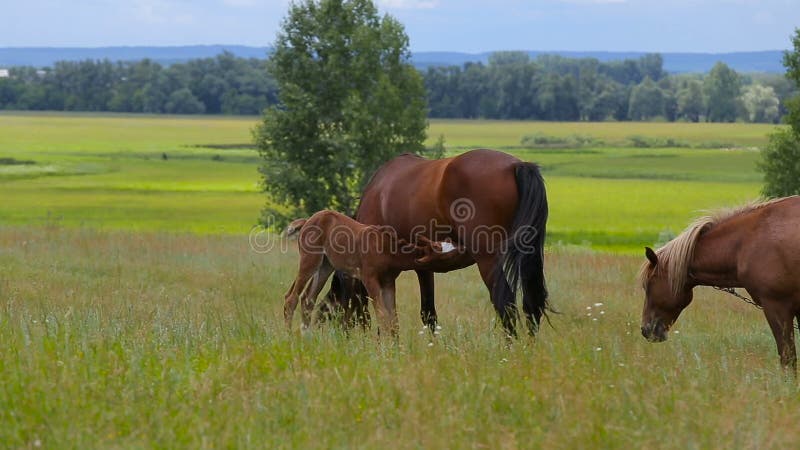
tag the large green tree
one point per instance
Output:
(761, 103)
(348, 101)
(722, 89)
(691, 104)
(647, 101)
(780, 160)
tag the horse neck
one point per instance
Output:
(715, 260)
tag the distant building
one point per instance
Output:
(4, 73)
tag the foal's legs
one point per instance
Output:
(387, 295)
(504, 303)
(375, 291)
(427, 308)
(309, 298)
(781, 321)
(309, 263)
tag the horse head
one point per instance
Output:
(429, 251)
(664, 300)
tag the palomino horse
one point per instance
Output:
(755, 247)
(488, 202)
(331, 241)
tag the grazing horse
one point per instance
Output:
(755, 247)
(331, 241)
(489, 203)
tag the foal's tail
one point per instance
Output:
(523, 263)
(294, 227)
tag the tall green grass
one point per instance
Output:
(134, 314)
(155, 340)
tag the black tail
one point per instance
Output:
(523, 263)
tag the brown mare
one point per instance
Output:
(490, 203)
(755, 247)
(331, 241)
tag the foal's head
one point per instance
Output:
(428, 251)
(666, 295)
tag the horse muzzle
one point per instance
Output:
(655, 331)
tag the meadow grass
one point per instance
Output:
(157, 340)
(500, 133)
(179, 173)
(134, 313)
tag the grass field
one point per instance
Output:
(152, 340)
(134, 313)
(109, 172)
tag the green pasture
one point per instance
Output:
(197, 174)
(119, 339)
(134, 312)
(494, 133)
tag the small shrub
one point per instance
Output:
(437, 150)
(780, 163)
(541, 140)
(639, 141)
(15, 162)
(715, 144)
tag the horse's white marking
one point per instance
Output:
(447, 247)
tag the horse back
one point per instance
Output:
(408, 192)
(771, 248)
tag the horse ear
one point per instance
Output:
(651, 255)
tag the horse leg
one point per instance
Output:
(375, 292)
(289, 304)
(781, 321)
(309, 298)
(358, 305)
(308, 266)
(500, 292)
(427, 309)
(388, 298)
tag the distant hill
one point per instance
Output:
(762, 61)
(46, 56)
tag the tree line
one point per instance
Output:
(510, 86)
(513, 86)
(222, 85)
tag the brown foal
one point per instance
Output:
(330, 241)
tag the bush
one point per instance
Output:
(15, 162)
(651, 142)
(539, 140)
(780, 162)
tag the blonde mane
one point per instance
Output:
(674, 257)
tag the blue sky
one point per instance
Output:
(432, 25)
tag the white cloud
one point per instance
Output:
(409, 4)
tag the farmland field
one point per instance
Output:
(134, 313)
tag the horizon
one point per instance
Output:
(467, 26)
(53, 47)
